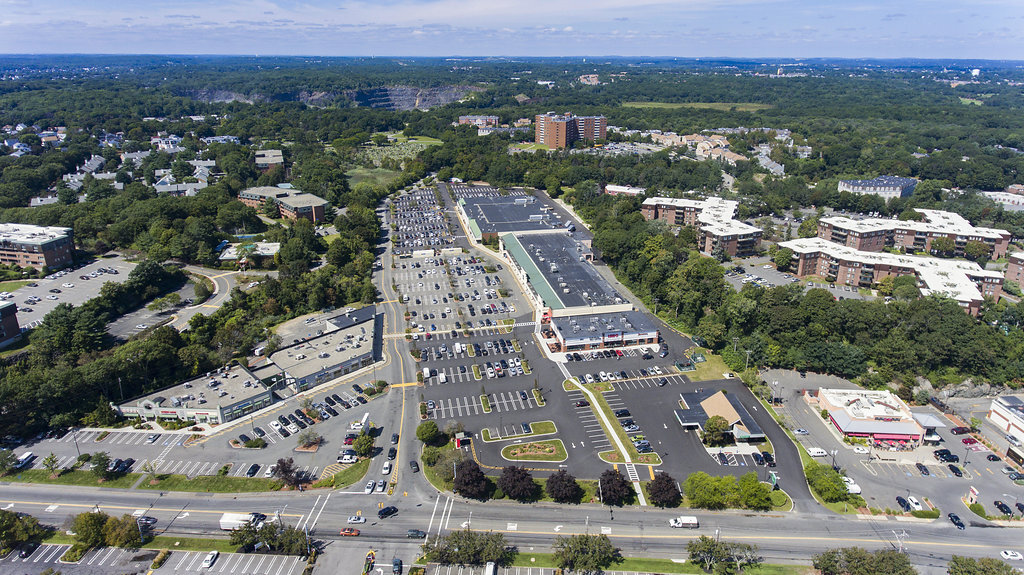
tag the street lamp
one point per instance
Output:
(747, 364)
(834, 452)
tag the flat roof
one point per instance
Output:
(502, 214)
(351, 335)
(222, 387)
(31, 235)
(598, 325)
(935, 222)
(301, 200)
(716, 215)
(326, 322)
(954, 278)
(564, 281)
(1013, 404)
(261, 249)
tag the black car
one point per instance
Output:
(394, 439)
(298, 413)
(259, 431)
(255, 467)
(1020, 507)
(329, 400)
(356, 388)
(522, 395)
(922, 469)
(392, 453)
(244, 438)
(955, 520)
(903, 503)
(337, 398)
(415, 466)
(662, 382)
(300, 423)
(415, 534)
(1003, 508)
(113, 465)
(284, 432)
(387, 512)
(28, 549)
(769, 459)
(993, 457)
(622, 413)
(331, 410)
(125, 465)
(758, 458)
(282, 420)
(345, 404)
(361, 399)
(955, 470)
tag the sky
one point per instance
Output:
(987, 29)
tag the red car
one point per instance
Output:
(349, 532)
(349, 439)
(969, 441)
(960, 430)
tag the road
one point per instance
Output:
(223, 283)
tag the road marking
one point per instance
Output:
(51, 508)
(606, 530)
(558, 528)
(513, 526)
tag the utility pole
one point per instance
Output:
(747, 364)
(735, 340)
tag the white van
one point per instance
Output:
(816, 452)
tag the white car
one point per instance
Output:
(1011, 555)
(270, 471)
(67, 285)
(801, 431)
(370, 486)
(387, 468)
(915, 504)
(275, 426)
(141, 326)
(211, 558)
(356, 520)
(861, 449)
(51, 297)
(293, 428)
(851, 486)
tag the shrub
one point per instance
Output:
(160, 558)
(778, 498)
(927, 514)
(978, 509)
(257, 443)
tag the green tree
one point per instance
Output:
(706, 492)
(309, 437)
(470, 481)
(716, 430)
(379, 139)
(614, 489)
(858, 561)
(783, 258)
(363, 445)
(563, 488)
(468, 547)
(808, 228)
(826, 482)
(202, 291)
(517, 483)
(88, 528)
(427, 432)
(584, 554)
(285, 470)
(51, 464)
(960, 565)
(7, 460)
(975, 250)
(943, 246)
(16, 529)
(706, 552)
(663, 490)
(123, 532)
(100, 463)
(754, 494)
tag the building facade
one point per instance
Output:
(1015, 269)
(874, 234)
(887, 187)
(1007, 413)
(37, 246)
(561, 130)
(717, 230)
(966, 282)
(290, 204)
(9, 329)
(479, 121)
(874, 415)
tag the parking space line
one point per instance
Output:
(183, 558)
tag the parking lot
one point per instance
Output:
(67, 286)
(760, 271)
(97, 561)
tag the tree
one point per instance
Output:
(858, 561)
(51, 464)
(468, 547)
(517, 483)
(379, 139)
(7, 460)
(285, 470)
(427, 432)
(363, 445)
(706, 552)
(614, 489)
(663, 490)
(716, 430)
(202, 291)
(754, 494)
(16, 529)
(100, 463)
(976, 250)
(706, 492)
(959, 565)
(306, 403)
(943, 246)
(783, 258)
(123, 532)
(584, 553)
(148, 469)
(88, 528)
(808, 228)
(309, 437)
(563, 488)
(470, 481)
(826, 482)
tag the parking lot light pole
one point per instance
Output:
(834, 452)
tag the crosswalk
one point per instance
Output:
(500, 402)
(631, 472)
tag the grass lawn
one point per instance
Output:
(190, 544)
(77, 477)
(713, 368)
(59, 537)
(13, 285)
(558, 455)
(431, 473)
(212, 484)
(19, 346)
(331, 237)
(722, 106)
(377, 176)
(536, 428)
(646, 565)
(347, 476)
(530, 146)
(486, 403)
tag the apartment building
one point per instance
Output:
(966, 282)
(290, 203)
(561, 130)
(714, 218)
(1015, 269)
(479, 121)
(887, 187)
(874, 234)
(37, 246)
(9, 329)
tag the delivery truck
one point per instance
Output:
(232, 521)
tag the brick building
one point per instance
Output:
(874, 234)
(479, 121)
(37, 246)
(561, 130)
(717, 230)
(290, 203)
(887, 187)
(9, 329)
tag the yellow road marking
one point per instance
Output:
(651, 469)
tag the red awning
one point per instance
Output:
(894, 436)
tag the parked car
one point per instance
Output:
(903, 503)
(955, 470)
(955, 520)
(924, 470)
